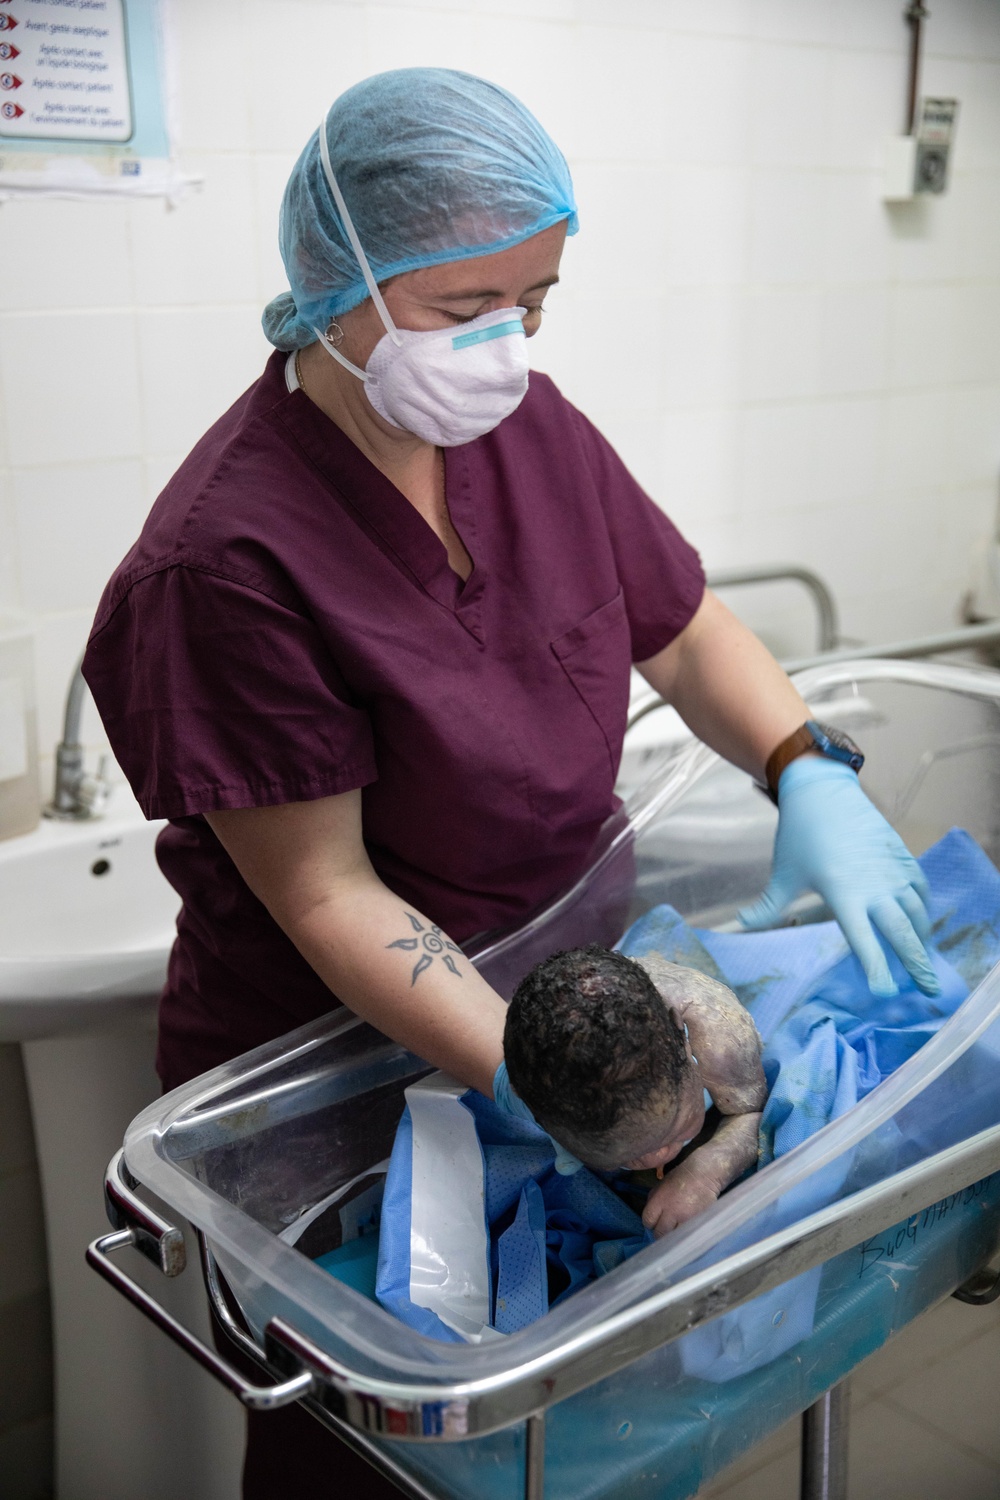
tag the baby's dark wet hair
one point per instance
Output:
(589, 1042)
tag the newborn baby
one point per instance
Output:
(613, 1056)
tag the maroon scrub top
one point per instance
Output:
(288, 627)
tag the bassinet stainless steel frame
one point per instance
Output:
(359, 1406)
(352, 1403)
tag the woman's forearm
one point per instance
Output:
(727, 687)
(381, 956)
(390, 964)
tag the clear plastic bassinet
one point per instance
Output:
(242, 1151)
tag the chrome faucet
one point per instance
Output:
(77, 793)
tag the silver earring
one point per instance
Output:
(334, 334)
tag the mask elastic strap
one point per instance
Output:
(341, 359)
(356, 246)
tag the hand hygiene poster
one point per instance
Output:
(83, 105)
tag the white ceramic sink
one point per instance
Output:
(86, 924)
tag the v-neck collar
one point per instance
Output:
(384, 513)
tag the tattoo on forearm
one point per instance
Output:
(431, 944)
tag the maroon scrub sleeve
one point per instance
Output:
(216, 695)
(661, 574)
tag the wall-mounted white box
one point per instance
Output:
(19, 792)
(900, 168)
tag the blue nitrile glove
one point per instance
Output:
(504, 1096)
(832, 840)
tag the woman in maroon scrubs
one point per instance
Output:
(370, 655)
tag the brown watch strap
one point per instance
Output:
(796, 744)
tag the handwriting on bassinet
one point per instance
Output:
(887, 1245)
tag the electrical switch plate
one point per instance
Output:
(935, 127)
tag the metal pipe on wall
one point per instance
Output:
(967, 638)
(916, 14)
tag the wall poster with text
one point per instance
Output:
(84, 100)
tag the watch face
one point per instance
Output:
(836, 744)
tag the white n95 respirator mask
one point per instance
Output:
(452, 384)
(447, 385)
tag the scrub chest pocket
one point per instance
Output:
(596, 656)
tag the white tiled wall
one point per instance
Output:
(794, 370)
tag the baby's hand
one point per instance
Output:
(683, 1193)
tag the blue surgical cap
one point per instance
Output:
(434, 166)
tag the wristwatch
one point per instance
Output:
(833, 743)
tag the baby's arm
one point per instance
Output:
(696, 1182)
(725, 1041)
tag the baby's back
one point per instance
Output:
(721, 1032)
